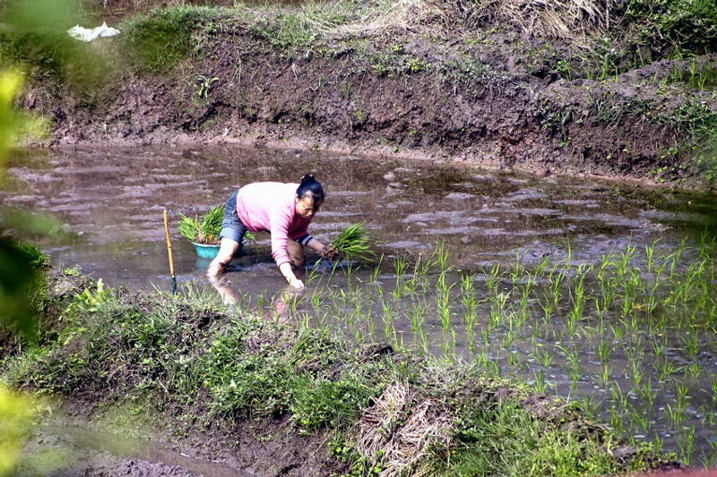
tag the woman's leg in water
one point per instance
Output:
(296, 253)
(227, 249)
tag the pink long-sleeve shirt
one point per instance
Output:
(270, 207)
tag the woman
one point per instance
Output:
(283, 210)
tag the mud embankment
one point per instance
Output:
(497, 102)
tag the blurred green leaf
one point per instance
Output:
(26, 224)
(17, 415)
(17, 276)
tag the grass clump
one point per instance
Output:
(507, 440)
(684, 24)
(353, 243)
(205, 229)
(159, 40)
(34, 38)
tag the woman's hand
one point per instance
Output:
(330, 253)
(296, 284)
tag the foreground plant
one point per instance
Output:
(17, 415)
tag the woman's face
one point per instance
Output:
(306, 207)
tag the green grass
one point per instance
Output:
(507, 440)
(156, 42)
(684, 24)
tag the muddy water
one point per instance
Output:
(112, 202)
(65, 446)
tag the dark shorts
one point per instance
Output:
(232, 226)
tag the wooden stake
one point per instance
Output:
(169, 252)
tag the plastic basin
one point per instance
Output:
(206, 251)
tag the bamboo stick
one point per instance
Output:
(169, 252)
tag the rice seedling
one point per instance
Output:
(556, 286)
(605, 374)
(399, 265)
(646, 392)
(493, 278)
(518, 270)
(687, 446)
(443, 304)
(616, 421)
(539, 381)
(543, 357)
(514, 360)
(441, 255)
(313, 276)
(640, 420)
(498, 306)
(691, 344)
(508, 339)
(675, 415)
(376, 271)
(573, 360)
(618, 396)
(683, 396)
(354, 244)
(548, 310)
(486, 335)
(666, 368)
(708, 460)
(693, 371)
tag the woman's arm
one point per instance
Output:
(316, 245)
(288, 273)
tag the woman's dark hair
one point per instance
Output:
(309, 185)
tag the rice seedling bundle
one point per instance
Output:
(354, 243)
(203, 230)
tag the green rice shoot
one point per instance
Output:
(354, 244)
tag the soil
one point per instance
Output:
(348, 97)
(251, 449)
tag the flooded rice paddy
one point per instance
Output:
(596, 291)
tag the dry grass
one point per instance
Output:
(552, 18)
(568, 19)
(402, 431)
(392, 17)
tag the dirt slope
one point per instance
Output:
(505, 99)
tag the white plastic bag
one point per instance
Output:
(88, 34)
